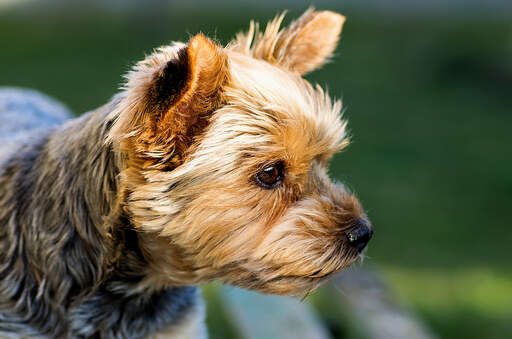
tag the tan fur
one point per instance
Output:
(206, 218)
(302, 47)
(154, 132)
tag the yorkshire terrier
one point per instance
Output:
(210, 164)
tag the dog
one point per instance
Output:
(210, 164)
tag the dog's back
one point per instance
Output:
(25, 114)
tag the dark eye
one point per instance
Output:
(270, 176)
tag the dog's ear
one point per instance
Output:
(303, 46)
(168, 99)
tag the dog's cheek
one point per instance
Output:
(222, 227)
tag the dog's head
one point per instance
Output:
(227, 152)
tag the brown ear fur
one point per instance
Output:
(168, 99)
(302, 47)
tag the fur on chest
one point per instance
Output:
(110, 313)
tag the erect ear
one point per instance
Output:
(168, 99)
(303, 46)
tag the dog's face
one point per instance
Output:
(227, 152)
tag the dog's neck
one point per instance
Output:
(97, 168)
(64, 193)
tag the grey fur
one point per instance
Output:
(25, 113)
(64, 271)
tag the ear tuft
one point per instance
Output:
(168, 99)
(169, 83)
(303, 47)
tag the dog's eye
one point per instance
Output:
(270, 176)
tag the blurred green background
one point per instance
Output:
(428, 96)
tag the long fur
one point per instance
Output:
(110, 220)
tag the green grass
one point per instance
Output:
(468, 303)
(429, 105)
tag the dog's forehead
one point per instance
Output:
(299, 117)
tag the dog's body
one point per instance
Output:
(209, 165)
(45, 228)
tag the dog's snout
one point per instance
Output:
(359, 234)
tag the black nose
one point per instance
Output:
(359, 235)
